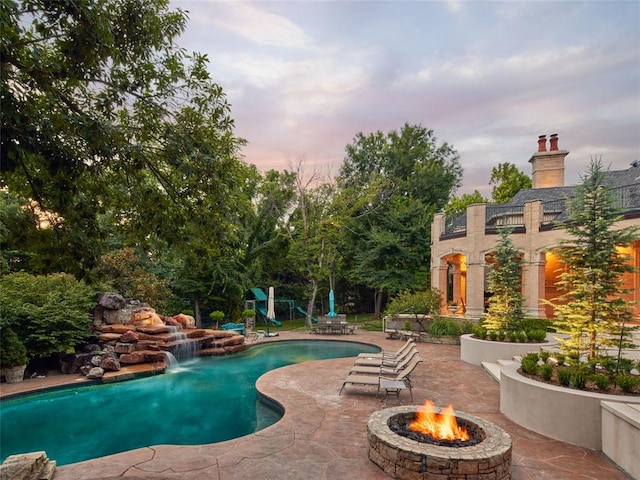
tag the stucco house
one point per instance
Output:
(462, 246)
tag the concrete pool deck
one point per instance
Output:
(323, 435)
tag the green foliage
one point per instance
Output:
(12, 351)
(601, 380)
(132, 279)
(564, 376)
(544, 355)
(529, 363)
(579, 378)
(50, 314)
(529, 323)
(590, 309)
(249, 313)
(419, 304)
(394, 184)
(628, 383)
(505, 306)
(458, 205)
(119, 137)
(508, 181)
(444, 326)
(216, 315)
(537, 336)
(545, 371)
(480, 332)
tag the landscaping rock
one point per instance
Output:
(110, 363)
(130, 337)
(95, 372)
(111, 301)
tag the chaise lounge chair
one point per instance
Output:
(390, 361)
(388, 353)
(374, 381)
(382, 369)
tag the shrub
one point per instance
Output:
(543, 324)
(530, 363)
(601, 380)
(536, 335)
(480, 332)
(216, 316)
(49, 313)
(493, 335)
(12, 350)
(628, 383)
(564, 377)
(249, 313)
(544, 355)
(521, 336)
(512, 336)
(529, 366)
(560, 358)
(579, 379)
(546, 371)
(444, 326)
(467, 327)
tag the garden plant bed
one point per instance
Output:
(590, 385)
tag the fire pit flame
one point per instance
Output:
(441, 426)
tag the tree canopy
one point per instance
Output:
(397, 182)
(508, 181)
(107, 124)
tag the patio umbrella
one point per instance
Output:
(271, 313)
(331, 313)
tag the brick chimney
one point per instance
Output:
(547, 167)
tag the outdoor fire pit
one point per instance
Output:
(406, 454)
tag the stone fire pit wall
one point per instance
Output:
(406, 459)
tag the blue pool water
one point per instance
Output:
(202, 401)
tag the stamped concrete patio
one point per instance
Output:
(323, 435)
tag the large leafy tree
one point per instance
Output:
(397, 182)
(507, 181)
(109, 129)
(590, 308)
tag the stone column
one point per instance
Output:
(475, 287)
(533, 288)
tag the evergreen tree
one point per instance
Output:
(505, 306)
(590, 308)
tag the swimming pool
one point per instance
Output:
(204, 400)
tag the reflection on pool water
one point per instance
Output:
(202, 401)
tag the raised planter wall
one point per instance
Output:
(621, 435)
(565, 414)
(475, 351)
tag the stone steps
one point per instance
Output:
(493, 369)
(28, 466)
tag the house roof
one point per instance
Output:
(614, 179)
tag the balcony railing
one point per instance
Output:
(456, 226)
(497, 216)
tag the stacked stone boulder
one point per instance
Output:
(132, 333)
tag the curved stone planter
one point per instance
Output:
(475, 351)
(565, 414)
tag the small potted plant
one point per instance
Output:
(216, 316)
(13, 356)
(249, 319)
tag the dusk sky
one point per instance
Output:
(303, 78)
